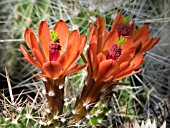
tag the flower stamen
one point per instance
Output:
(114, 52)
(54, 47)
(123, 29)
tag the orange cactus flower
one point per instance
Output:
(108, 48)
(55, 57)
(111, 56)
(54, 54)
(140, 36)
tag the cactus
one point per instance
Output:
(124, 103)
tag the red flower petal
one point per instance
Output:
(119, 18)
(149, 44)
(104, 67)
(143, 30)
(135, 63)
(101, 28)
(100, 57)
(37, 46)
(44, 36)
(126, 55)
(111, 39)
(27, 37)
(29, 58)
(72, 59)
(82, 42)
(90, 59)
(133, 29)
(52, 68)
(38, 56)
(75, 69)
(92, 29)
(41, 76)
(62, 60)
(73, 44)
(128, 44)
(121, 70)
(62, 29)
(96, 62)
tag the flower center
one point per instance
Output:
(123, 29)
(114, 52)
(54, 50)
(54, 47)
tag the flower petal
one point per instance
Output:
(104, 67)
(90, 59)
(73, 44)
(92, 29)
(121, 70)
(82, 42)
(27, 37)
(143, 30)
(126, 55)
(62, 60)
(138, 47)
(101, 27)
(37, 46)
(133, 29)
(52, 68)
(34, 42)
(135, 63)
(128, 44)
(72, 59)
(100, 57)
(93, 44)
(62, 29)
(149, 44)
(38, 56)
(119, 18)
(44, 35)
(75, 69)
(27, 55)
(143, 38)
(29, 58)
(41, 76)
(128, 74)
(111, 39)
(100, 22)
(113, 68)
